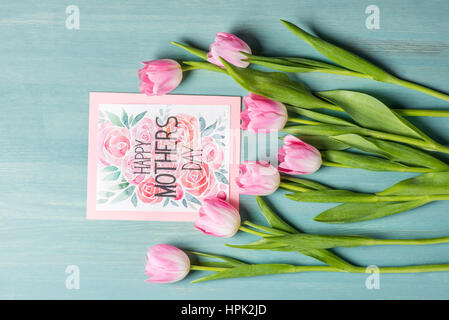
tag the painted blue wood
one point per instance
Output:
(47, 71)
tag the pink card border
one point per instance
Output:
(97, 98)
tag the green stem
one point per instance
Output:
(422, 113)
(289, 186)
(188, 68)
(409, 112)
(205, 66)
(333, 164)
(273, 231)
(410, 242)
(203, 268)
(302, 121)
(426, 145)
(418, 87)
(406, 169)
(257, 233)
(197, 52)
(397, 81)
(405, 269)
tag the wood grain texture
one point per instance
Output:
(47, 72)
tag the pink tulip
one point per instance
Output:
(298, 157)
(166, 263)
(159, 77)
(262, 114)
(218, 218)
(258, 178)
(228, 47)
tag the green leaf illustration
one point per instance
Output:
(221, 178)
(138, 118)
(110, 169)
(114, 119)
(191, 198)
(124, 195)
(120, 186)
(112, 176)
(105, 194)
(202, 123)
(134, 200)
(125, 118)
(209, 130)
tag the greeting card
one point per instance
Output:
(157, 158)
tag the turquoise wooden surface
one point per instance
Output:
(47, 71)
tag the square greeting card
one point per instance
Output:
(157, 158)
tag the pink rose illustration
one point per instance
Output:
(147, 190)
(143, 131)
(114, 143)
(212, 154)
(197, 182)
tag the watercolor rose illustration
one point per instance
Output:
(114, 143)
(121, 137)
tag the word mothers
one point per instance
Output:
(166, 155)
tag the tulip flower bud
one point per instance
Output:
(228, 47)
(159, 77)
(218, 218)
(166, 263)
(298, 157)
(258, 178)
(262, 114)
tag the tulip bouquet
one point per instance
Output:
(337, 128)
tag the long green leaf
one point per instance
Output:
(393, 151)
(249, 271)
(355, 212)
(331, 196)
(372, 113)
(275, 221)
(339, 55)
(319, 116)
(367, 162)
(228, 260)
(295, 242)
(323, 142)
(305, 183)
(272, 218)
(425, 184)
(197, 52)
(206, 66)
(291, 64)
(275, 85)
(320, 130)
